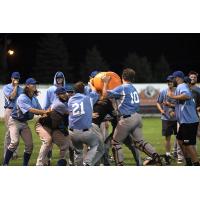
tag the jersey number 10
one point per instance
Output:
(134, 97)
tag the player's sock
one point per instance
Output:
(188, 162)
(8, 156)
(26, 158)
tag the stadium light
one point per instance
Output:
(11, 52)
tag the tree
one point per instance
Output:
(51, 56)
(4, 42)
(93, 61)
(161, 70)
(141, 65)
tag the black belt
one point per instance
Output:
(71, 129)
(19, 120)
(126, 116)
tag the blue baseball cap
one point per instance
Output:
(179, 74)
(94, 73)
(59, 75)
(31, 81)
(60, 90)
(15, 75)
(170, 78)
(69, 88)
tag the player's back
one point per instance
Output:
(80, 111)
(129, 102)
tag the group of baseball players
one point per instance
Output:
(76, 118)
(179, 104)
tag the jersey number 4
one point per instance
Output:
(78, 109)
(134, 97)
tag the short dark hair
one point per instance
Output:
(193, 72)
(79, 87)
(128, 74)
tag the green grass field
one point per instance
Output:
(151, 130)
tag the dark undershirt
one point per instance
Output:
(102, 107)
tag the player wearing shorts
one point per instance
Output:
(130, 122)
(166, 106)
(187, 117)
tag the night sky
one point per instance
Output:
(182, 51)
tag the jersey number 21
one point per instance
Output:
(78, 109)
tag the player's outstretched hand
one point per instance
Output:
(106, 79)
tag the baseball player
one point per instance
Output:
(80, 108)
(11, 92)
(53, 129)
(130, 121)
(26, 106)
(166, 106)
(187, 117)
(196, 93)
(59, 81)
(103, 108)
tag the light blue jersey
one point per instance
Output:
(7, 90)
(22, 107)
(50, 94)
(129, 101)
(185, 110)
(80, 109)
(163, 98)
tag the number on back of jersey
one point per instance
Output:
(134, 97)
(78, 109)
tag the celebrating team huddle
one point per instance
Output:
(77, 118)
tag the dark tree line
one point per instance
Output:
(52, 55)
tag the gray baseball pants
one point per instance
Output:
(79, 139)
(130, 125)
(7, 139)
(17, 129)
(47, 136)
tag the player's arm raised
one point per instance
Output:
(106, 80)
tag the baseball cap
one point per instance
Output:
(60, 90)
(187, 79)
(59, 75)
(15, 75)
(170, 78)
(179, 74)
(94, 73)
(69, 88)
(31, 81)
